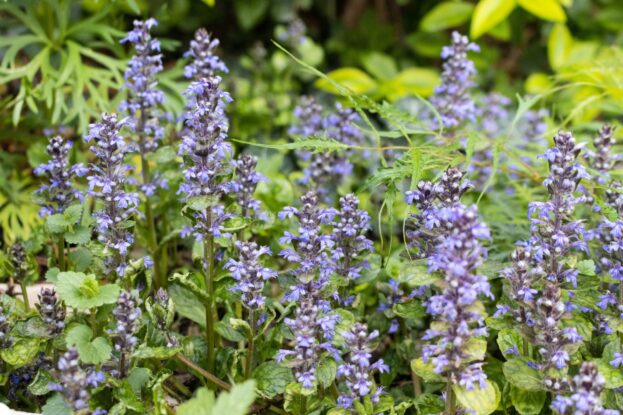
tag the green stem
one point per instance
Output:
(22, 284)
(335, 393)
(151, 228)
(209, 376)
(251, 348)
(450, 400)
(61, 253)
(526, 347)
(208, 248)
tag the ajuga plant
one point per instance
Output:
(257, 281)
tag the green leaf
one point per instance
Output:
(125, 394)
(272, 378)
(509, 339)
(73, 214)
(81, 258)
(545, 9)
(445, 15)
(353, 79)
(326, 371)
(410, 310)
(160, 353)
(41, 383)
(138, 378)
(429, 404)
(22, 352)
(235, 402)
(33, 327)
(250, 12)
(425, 370)
(587, 267)
(412, 81)
(163, 155)
(380, 65)
(79, 290)
(612, 375)
(187, 304)
(519, 374)
(481, 400)
(79, 236)
(55, 405)
(527, 402)
(56, 223)
(488, 14)
(559, 46)
(94, 351)
(226, 331)
(201, 203)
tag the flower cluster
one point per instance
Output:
(51, 310)
(553, 232)
(452, 99)
(350, 227)
(161, 310)
(107, 180)
(205, 63)
(308, 116)
(6, 340)
(294, 34)
(204, 149)
(247, 179)
(602, 158)
(141, 83)
(127, 315)
(535, 127)
(18, 259)
(313, 329)
(587, 386)
(249, 274)
(428, 198)
(74, 382)
(313, 324)
(457, 254)
(59, 192)
(494, 114)
(358, 368)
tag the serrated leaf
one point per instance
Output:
(586, 267)
(272, 378)
(94, 351)
(56, 223)
(163, 155)
(55, 405)
(483, 401)
(73, 214)
(81, 258)
(527, 402)
(235, 402)
(445, 15)
(488, 14)
(519, 374)
(613, 376)
(79, 290)
(33, 327)
(79, 236)
(410, 310)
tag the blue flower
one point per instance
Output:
(205, 63)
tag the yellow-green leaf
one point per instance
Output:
(352, 78)
(445, 15)
(537, 83)
(545, 9)
(483, 401)
(488, 14)
(420, 81)
(559, 46)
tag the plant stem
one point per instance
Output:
(61, 253)
(122, 365)
(335, 393)
(209, 376)
(22, 284)
(208, 252)
(151, 228)
(251, 348)
(526, 347)
(450, 400)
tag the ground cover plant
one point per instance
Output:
(420, 242)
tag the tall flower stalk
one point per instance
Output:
(107, 181)
(205, 149)
(59, 192)
(313, 324)
(142, 105)
(537, 273)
